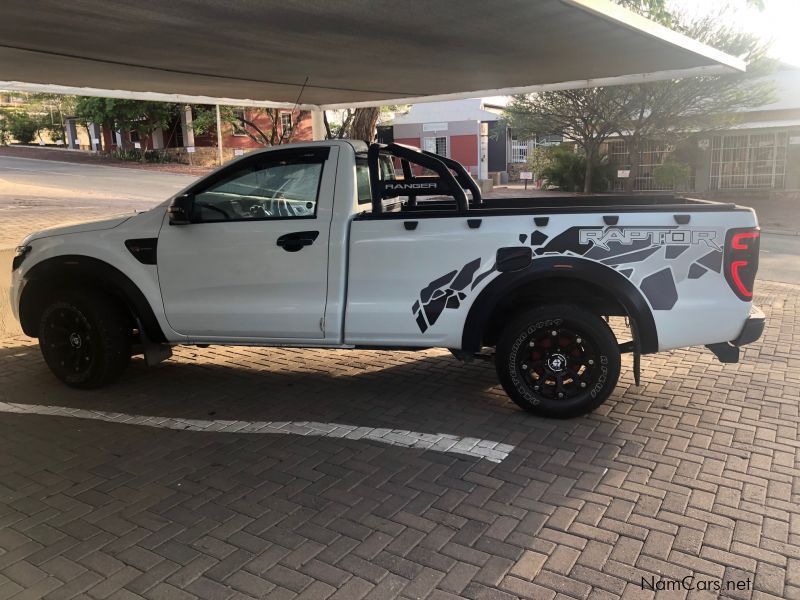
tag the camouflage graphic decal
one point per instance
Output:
(638, 253)
(443, 292)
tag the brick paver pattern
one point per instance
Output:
(696, 472)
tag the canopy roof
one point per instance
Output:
(346, 52)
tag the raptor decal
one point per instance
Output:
(638, 253)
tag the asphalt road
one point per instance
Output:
(132, 184)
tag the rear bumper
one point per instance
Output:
(728, 352)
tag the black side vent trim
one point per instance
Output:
(144, 250)
(541, 221)
(682, 219)
(474, 223)
(610, 219)
(513, 258)
(410, 225)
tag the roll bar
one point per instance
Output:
(462, 176)
(443, 183)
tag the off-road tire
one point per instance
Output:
(558, 361)
(85, 338)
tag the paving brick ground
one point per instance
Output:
(694, 473)
(697, 472)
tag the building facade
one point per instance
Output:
(470, 131)
(454, 129)
(761, 152)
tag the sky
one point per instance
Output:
(778, 21)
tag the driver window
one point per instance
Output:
(275, 190)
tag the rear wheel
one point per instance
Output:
(85, 339)
(558, 361)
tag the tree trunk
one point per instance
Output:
(587, 179)
(634, 159)
(363, 124)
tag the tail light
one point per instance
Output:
(741, 260)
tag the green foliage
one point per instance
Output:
(151, 156)
(539, 160)
(131, 115)
(655, 10)
(671, 174)
(22, 126)
(54, 130)
(135, 115)
(204, 120)
(5, 134)
(127, 155)
(567, 170)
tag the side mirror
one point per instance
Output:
(180, 210)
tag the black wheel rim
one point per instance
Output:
(559, 363)
(68, 341)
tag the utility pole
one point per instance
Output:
(219, 136)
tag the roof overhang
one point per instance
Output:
(338, 53)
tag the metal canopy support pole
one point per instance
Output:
(219, 136)
(187, 131)
(317, 125)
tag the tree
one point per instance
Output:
(586, 116)
(655, 10)
(671, 174)
(663, 111)
(358, 123)
(5, 134)
(671, 111)
(140, 116)
(22, 126)
(566, 170)
(538, 160)
(52, 110)
(247, 122)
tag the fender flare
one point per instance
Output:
(565, 267)
(71, 269)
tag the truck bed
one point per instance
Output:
(555, 204)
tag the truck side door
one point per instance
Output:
(253, 261)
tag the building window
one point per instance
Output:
(520, 150)
(651, 155)
(748, 161)
(286, 123)
(238, 126)
(437, 145)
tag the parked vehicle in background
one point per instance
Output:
(342, 245)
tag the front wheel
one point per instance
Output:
(558, 361)
(84, 338)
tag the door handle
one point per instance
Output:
(293, 242)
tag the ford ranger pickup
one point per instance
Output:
(340, 244)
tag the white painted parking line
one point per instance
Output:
(439, 442)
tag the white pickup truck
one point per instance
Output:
(338, 244)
